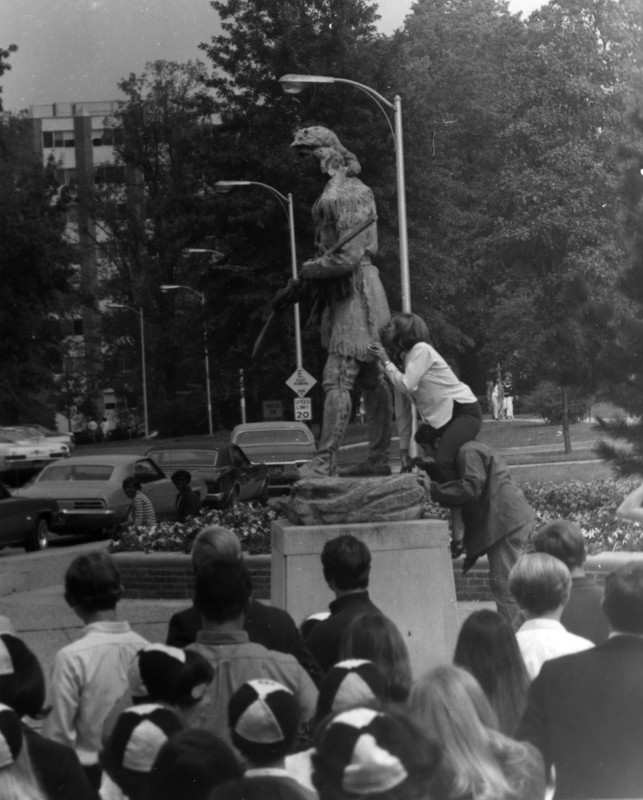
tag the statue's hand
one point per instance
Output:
(287, 295)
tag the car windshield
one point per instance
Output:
(192, 458)
(76, 472)
(272, 436)
(12, 436)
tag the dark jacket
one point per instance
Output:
(325, 638)
(585, 715)
(188, 504)
(583, 614)
(272, 627)
(493, 506)
(57, 768)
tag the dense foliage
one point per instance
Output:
(592, 505)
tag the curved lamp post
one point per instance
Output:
(295, 84)
(287, 204)
(171, 287)
(139, 314)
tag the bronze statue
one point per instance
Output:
(350, 304)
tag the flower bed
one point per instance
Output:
(592, 505)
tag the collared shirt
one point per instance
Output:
(236, 660)
(430, 384)
(541, 639)
(89, 676)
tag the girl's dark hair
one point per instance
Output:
(132, 480)
(93, 582)
(23, 690)
(374, 637)
(488, 649)
(402, 333)
(190, 764)
(196, 671)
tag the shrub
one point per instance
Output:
(250, 522)
(546, 401)
(592, 505)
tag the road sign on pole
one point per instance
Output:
(301, 382)
(303, 409)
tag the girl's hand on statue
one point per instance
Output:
(376, 349)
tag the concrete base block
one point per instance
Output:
(411, 579)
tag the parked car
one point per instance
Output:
(19, 455)
(40, 434)
(226, 470)
(90, 494)
(283, 446)
(25, 521)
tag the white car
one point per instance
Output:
(41, 434)
(282, 446)
(20, 455)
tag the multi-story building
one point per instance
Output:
(80, 138)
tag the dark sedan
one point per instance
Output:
(25, 521)
(227, 471)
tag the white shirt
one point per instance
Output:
(430, 384)
(541, 639)
(89, 676)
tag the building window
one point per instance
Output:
(47, 140)
(77, 326)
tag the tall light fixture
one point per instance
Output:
(139, 313)
(295, 84)
(171, 287)
(287, 204)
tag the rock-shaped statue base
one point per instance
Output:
(336, 501)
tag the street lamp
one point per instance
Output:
(171, 287)
(287, 204)
(139, 313)
(294, 84)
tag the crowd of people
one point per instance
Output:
(240, 703)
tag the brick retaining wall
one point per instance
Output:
(168, 576)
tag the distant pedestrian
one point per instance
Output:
(188, 502)
(92, 427)
(508, 396)
(141, 512)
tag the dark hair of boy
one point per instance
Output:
(222, 590)
(93, 583)
(347, 563)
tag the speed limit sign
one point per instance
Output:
(303, 409)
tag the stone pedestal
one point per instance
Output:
(411, 579)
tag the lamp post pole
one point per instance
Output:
(201, 296)
(139, 313)
(287, 204)
(294, 84)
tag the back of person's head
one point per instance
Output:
(260, 787)
(190, 764)
(132, 746)
(376, 638)
(93, 582)
(263, 716)
(222, 590)
(131, 482)
(347, 563)
(487, 647)
(562, 539)
(22, 681)
(17, 778)
(540, 583)
(164, 674)
(350, 683)
(623, 602)
(215, 543)
(448, 704)
(363, 752)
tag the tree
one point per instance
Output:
(261, 41)
(4, 65)
(34, 265)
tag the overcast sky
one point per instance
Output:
(74, 50)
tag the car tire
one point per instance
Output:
(38, 538)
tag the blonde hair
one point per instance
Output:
(18, 782)
(449, 705)
(540, 583)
